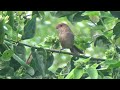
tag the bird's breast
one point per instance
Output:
(66, 39)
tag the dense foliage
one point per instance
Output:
(29, 45)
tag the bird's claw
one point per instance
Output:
(60, 50)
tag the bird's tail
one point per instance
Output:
(76, 50)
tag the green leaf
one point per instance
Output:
(15, 64)
(64, 13)
(92, 72)
(8, 31)
(105, 14)
(11, 34)
(3, 64)
(29, 29)
(7, 54)
(27, 76)
(42, 16)
(49, 60)
(78, 73)
(11, 19)
(116, 65)
(36, 12)
(39, 57)
(10, 72)
(99, 27)
(101, 40)
(5, 71)
(116, 14)
(2, 47)
(92, 13)
(94, 65)
(117, 42)
(20, 51)
(81, 61)
(17, 58)
(70, 17)
(77, 17)
(30, 71)
(107, 77)
(2, 32)
(109, 62)
(116, 30)
(94, 18)
(117, 49)
(70, 75)
(42, 13)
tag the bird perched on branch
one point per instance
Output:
(66, 38)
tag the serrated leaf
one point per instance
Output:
(92, 72)
(7, 54)
(78, 73)
(2, 32)
(101, 40)
(116, 30)
(77, 17)
(29, 29)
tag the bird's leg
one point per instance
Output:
(61, 50)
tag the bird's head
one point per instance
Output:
(62, 27)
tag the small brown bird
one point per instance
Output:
(66, 38)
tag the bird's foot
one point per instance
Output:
(61, 50)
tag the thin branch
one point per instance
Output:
(107, 30)
(62, 52)
(58, 51)
(93, 22)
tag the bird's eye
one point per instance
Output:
(61, 25)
